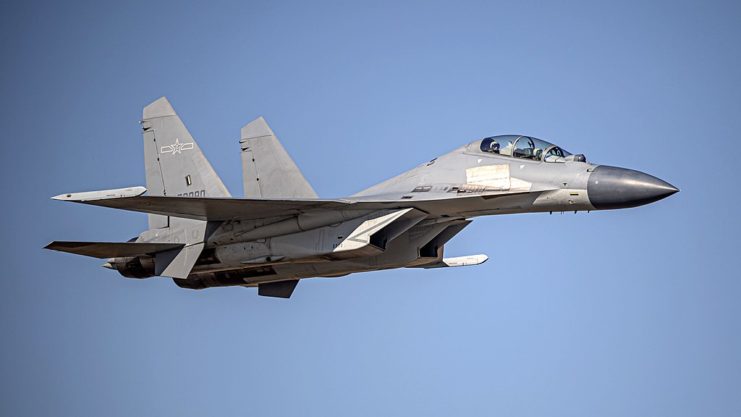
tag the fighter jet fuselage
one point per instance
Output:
(282, 232)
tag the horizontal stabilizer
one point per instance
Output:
(458, 261)
(100, 195)
(112, 249)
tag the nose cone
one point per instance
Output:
(614, 188)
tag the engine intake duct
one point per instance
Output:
(391, 231)
(434, 248)
(372, 236)
(409, 219)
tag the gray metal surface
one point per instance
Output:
(173, 161)
(267, 170)
(282, 232)
(281, 289)
(111, 249)
(615, 188)
(217, 209)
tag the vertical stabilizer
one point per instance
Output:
(267, 170)
(174, 163)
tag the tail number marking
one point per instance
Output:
(199, 193)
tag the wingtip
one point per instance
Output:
(62, 197)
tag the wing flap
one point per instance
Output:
(111, 249)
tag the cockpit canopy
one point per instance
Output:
(525, 147)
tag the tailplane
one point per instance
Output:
(112, 249)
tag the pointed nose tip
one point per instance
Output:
(613, 188)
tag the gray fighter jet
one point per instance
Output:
(281, 232)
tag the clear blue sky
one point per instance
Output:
(633, 312)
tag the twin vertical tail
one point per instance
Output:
(267, 169)
(174, 163)
(176, 167)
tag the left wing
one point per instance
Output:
(220, 209)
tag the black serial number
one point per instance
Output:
(199, 193)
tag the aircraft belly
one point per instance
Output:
(401, 252)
